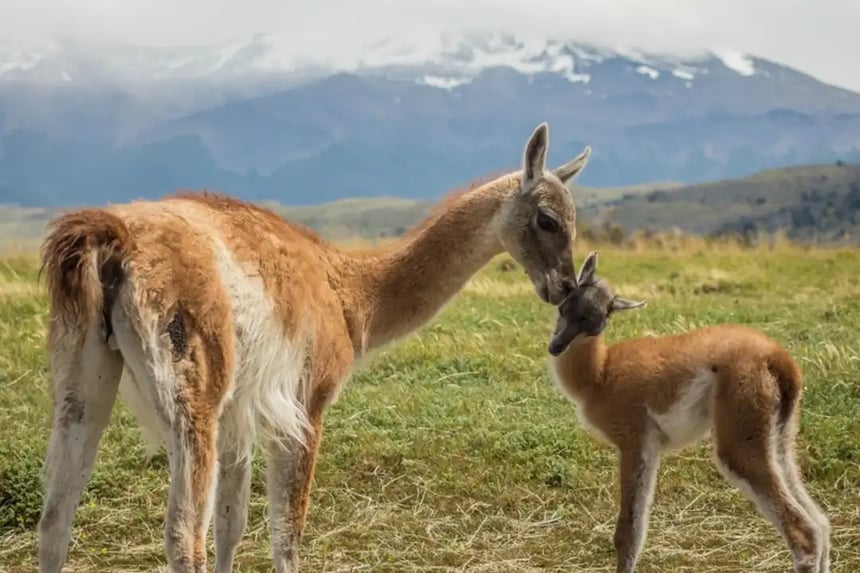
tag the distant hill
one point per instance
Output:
(402, 120)
(375, 217)
(343, 219)
(816, 203)
(812, 203)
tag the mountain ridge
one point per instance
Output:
(306, 133)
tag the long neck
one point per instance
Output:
(581, 368)
(402, 287)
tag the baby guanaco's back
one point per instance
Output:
(674, 381)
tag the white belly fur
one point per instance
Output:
(689, 419)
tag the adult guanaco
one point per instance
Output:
(222, 323)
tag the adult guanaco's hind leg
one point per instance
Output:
(233, 494)
(86, 376)
(185, 384)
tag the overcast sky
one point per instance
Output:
(819, 37)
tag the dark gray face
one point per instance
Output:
(586, 310)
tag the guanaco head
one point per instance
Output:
(538, 225)
(586, 310)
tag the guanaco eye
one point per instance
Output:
(547, 223)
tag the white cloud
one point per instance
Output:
(816, 37)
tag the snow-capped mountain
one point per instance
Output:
(265, 116)
(456, 60)
(448, 60)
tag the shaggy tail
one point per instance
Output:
(82, 257)
(788, 377)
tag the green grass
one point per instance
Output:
(453, 451)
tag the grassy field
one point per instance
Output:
(453, 451)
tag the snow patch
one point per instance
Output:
(468, 55)
(587, 53)
(648, 71)
(630, 53)
(737, 62)
(683, 74)
(443, 83)
(561, 62)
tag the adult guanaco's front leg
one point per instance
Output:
(290, 471)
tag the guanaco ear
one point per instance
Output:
(572, 168)
(534, 159)
(587, 270)
(619, 303)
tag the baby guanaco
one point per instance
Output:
(656, 394)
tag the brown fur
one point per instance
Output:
(82, 249)
(194, 280)
(664, 393)
(619, 380)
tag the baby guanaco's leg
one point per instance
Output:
(785, 443)
(638, 476)
(745, 428)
